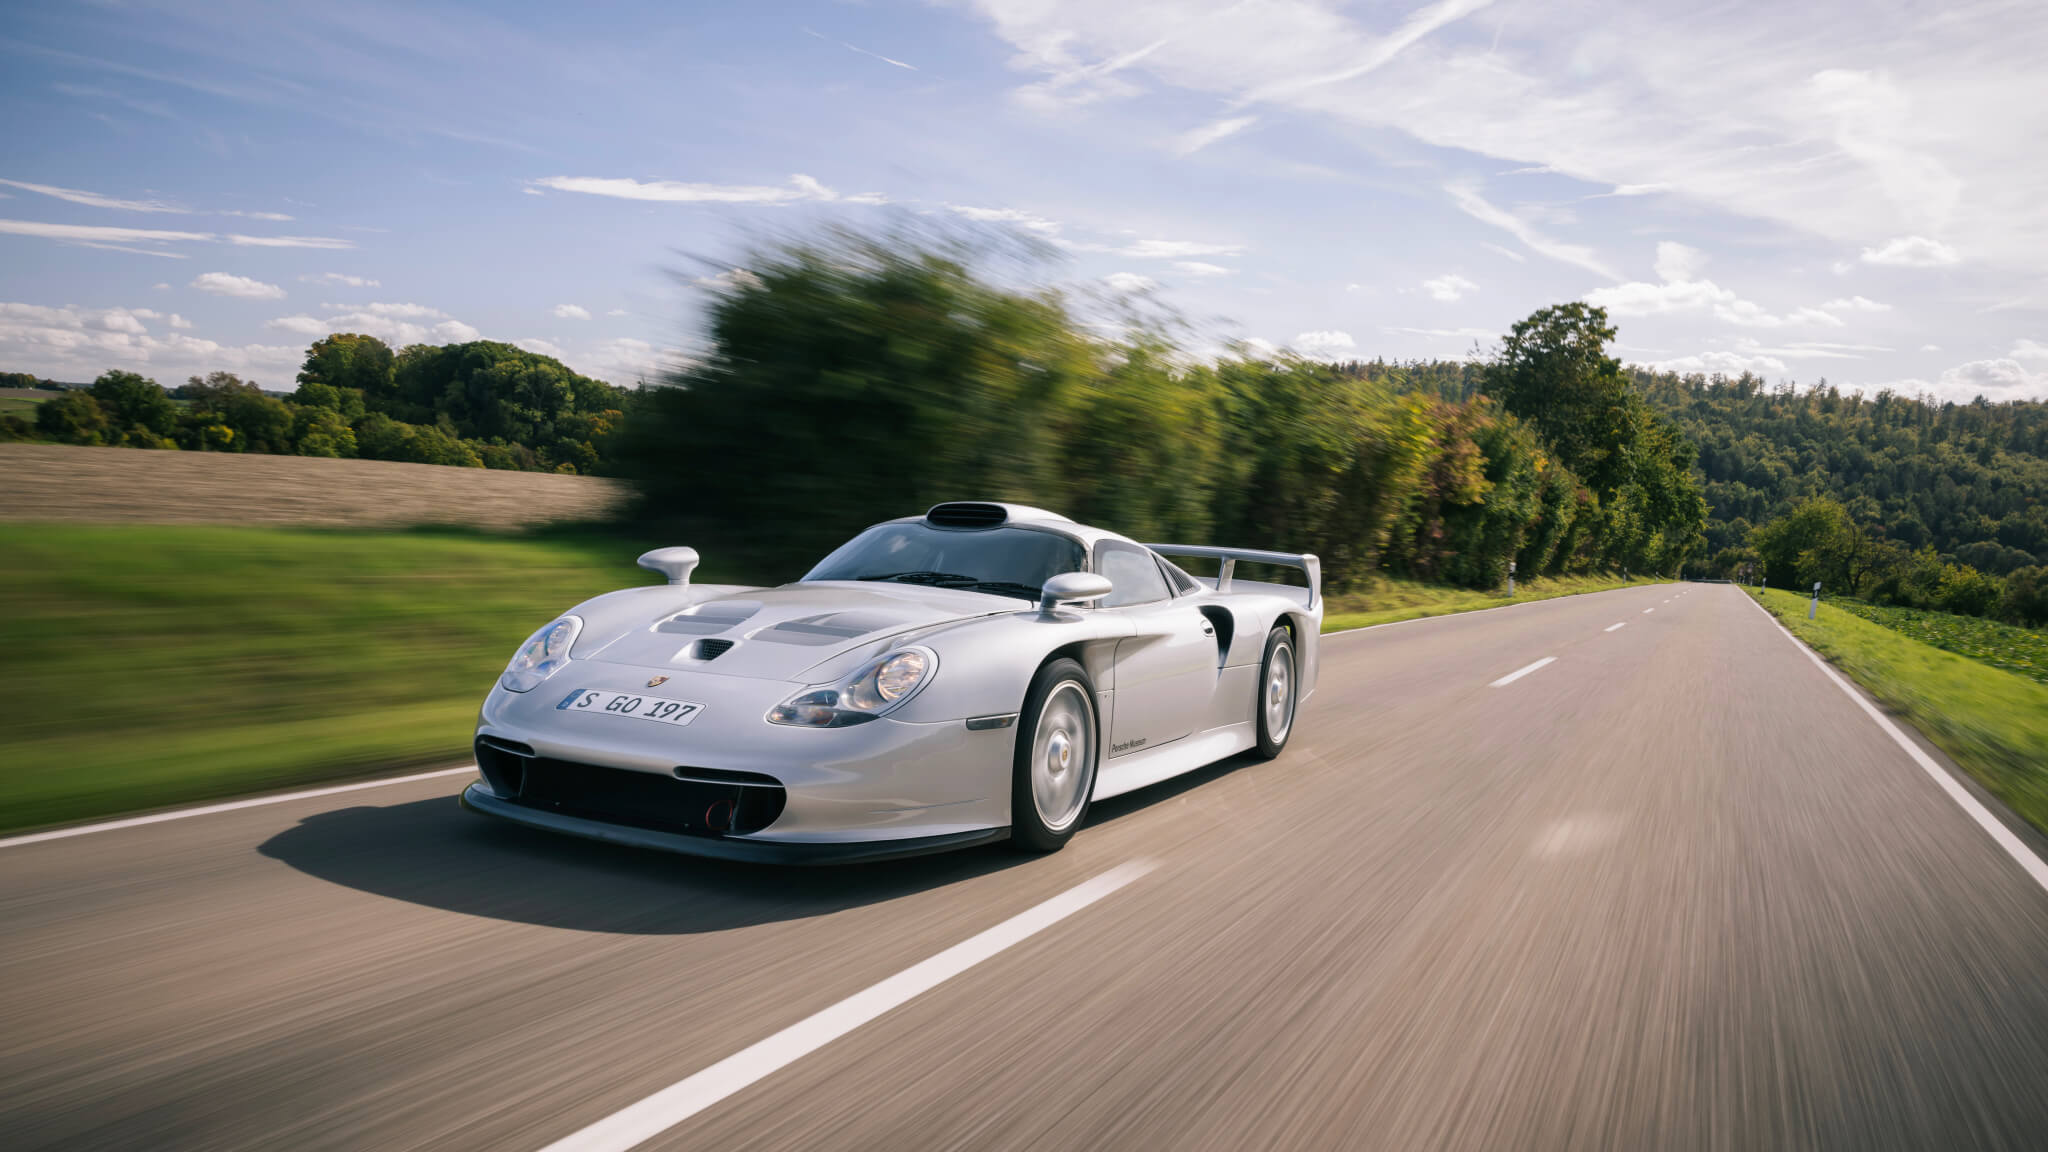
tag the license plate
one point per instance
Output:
(678, 712)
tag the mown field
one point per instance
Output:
(2023, 651)
(1992, 722)
(154, 665)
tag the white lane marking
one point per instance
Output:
(1479, 611)
(1612, 627)
(1518, 673)
(1647, 611)
(229, 806)
(1999, 833)
(676, 1103)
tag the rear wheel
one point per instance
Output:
(1057, 746)
(1277, 681)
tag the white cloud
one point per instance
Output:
(1160, 249)
(1930, 347)
(1190, 142)
(341, 280)
(241, 287)
(542, 347)
(1470, 202)
(1200, 268)
(1256, 348)
(302, 324)
(571, 312)
(1678, 262)
(729, 279)
(177, 321)
(328, 242)
(2028, 350)
(1324, 344)
(1129, 282)
(1510, 253)
(1025, 220)
(1727, 363)
(278, 217)
(1681, 292)
(1855, 304)
(1448, 287)
(626, 361)
(1992, 379)
(618, 312)
(800, 187)
(80, 343)
(1911, 252)
(1450, 333)
(94, 199)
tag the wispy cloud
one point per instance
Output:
(1470, 202)
(1025, 220)
(1682, 290)
(1159, 249)
(94, 199)
(571, 312)
(104, 236)
(800, 188)
(327, 242)
(890, 60)
(1190, 142)
(241, 287)
(1448, 288)
(1200, 268)
(1129, 282)
(1855, 304)
(340, 279)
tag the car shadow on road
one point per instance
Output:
(432, 853)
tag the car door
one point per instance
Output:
(1166, 670)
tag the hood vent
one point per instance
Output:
(712, 649)
(966, 515)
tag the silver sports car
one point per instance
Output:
(981, 672)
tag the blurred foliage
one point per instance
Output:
(1993, 722)
(851, 378)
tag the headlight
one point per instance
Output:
(879, 687)
(541, 656)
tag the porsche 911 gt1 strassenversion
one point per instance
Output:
(980, 672)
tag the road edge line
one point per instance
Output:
(653, 1115)
(1971, 806)
(225, 806)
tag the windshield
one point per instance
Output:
(1005, 561)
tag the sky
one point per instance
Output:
(1854, 190)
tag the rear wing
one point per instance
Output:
(1228, 558)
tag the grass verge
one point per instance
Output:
(155, 665)
(1388, 601)
(2021, 651)
(1992, 722)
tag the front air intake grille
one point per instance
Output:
(967, 515)
(708, 804)
(712, 649)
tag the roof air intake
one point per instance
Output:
(966, 515)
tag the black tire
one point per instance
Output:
(1276, 724)
(1063, 689)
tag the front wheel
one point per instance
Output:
(1275, 705)
(1057, 746)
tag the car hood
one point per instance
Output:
(780, 633)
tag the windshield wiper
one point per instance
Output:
(925, 578)
(1011, 588)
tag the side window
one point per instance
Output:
(1132, 572)
(1183, 584)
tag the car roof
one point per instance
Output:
(1023, 516)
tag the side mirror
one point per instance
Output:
(674, 563)
(1072, 586)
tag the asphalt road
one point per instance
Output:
(1673, 889)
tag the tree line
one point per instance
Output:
(851, 378)
(479, 405)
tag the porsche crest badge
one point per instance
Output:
(657, 682)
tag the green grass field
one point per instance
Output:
(149, 665)
(1994, 723)
(1387, 601)
(2022, 651)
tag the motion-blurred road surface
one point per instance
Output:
(1673, 889)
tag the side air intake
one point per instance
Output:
(966, 515)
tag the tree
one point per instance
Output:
(348, 362)
(258, 422)
(321, 432)
(1816, 541)
(72, 417)
(131, 401)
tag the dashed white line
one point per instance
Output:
(636, 1123)
(229, 806)
(1647, 611)
(2021, 854)
(1612, 627)
(1518, 673)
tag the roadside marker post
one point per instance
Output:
(1511, 577)
(1815, 606)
